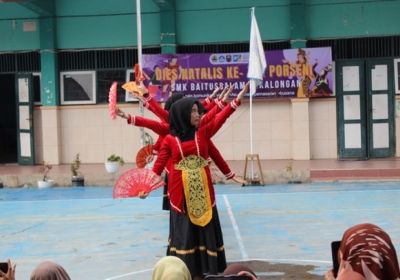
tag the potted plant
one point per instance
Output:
(113, 162)
(77, 179)
(44, 169)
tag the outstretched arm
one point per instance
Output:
(227, 93)
(161, 128)
(120, 113)
(243, 92)
(216, 91)
(222, 164)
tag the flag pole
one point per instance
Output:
(251, 114)
(257, 66)
(139, 49)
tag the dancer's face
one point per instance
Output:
(195, 116)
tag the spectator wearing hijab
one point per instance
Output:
(240, 270)
(171, 268)
(366, 253)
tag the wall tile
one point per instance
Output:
(281, 149)
(320, 148)
(280, 130)
(300, 130)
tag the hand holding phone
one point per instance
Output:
(4, 267)
(7, 271)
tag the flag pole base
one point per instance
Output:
(251, 178)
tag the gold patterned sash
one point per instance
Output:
(196, 189)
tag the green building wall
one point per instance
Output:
(82, 24)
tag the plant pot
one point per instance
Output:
(112, 167)
(78, 181)
(45, 184)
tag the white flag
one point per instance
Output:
(257, 62)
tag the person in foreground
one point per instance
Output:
(49, 271)
(240, 270)
(10, 274)
(171, 268)
(366, 253)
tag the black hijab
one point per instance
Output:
(172, 99)
(179, 118)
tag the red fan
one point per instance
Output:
(138, 75)
(143, 155)
(112, 99)
(136, 180)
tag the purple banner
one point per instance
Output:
(290, 73)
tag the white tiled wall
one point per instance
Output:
(323, 131)
(90, 132)
(62, 133)
(269, 130)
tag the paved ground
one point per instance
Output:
(281, 231)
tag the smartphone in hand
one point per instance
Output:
(4, 266)
(335, 245)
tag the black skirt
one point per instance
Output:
(201, 248)
(165, 203)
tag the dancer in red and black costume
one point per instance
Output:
(195, 230)
(162, 129)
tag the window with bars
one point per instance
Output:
(230, 48)
(116, 65)
(360, 48)
(19, 62)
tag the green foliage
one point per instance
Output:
(45, 169)
(289, 167)
(148, 140)
(75, 165)
(114, 158)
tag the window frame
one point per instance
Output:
(396, 63)
(94, 86)
(128, 96)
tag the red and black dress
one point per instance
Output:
(195, 230)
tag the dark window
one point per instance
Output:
(104, 81)
(36, 89)
(360, 48)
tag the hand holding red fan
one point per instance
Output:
(136, 180)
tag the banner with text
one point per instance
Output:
(290, 73)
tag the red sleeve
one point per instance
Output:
(156, 108)
(216, 123)
(206, 101)
(161, 128)
(219, 161)
(209, 106)
(163, 156)
(209, 116)
(157, 145)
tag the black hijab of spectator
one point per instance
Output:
(179, 118)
